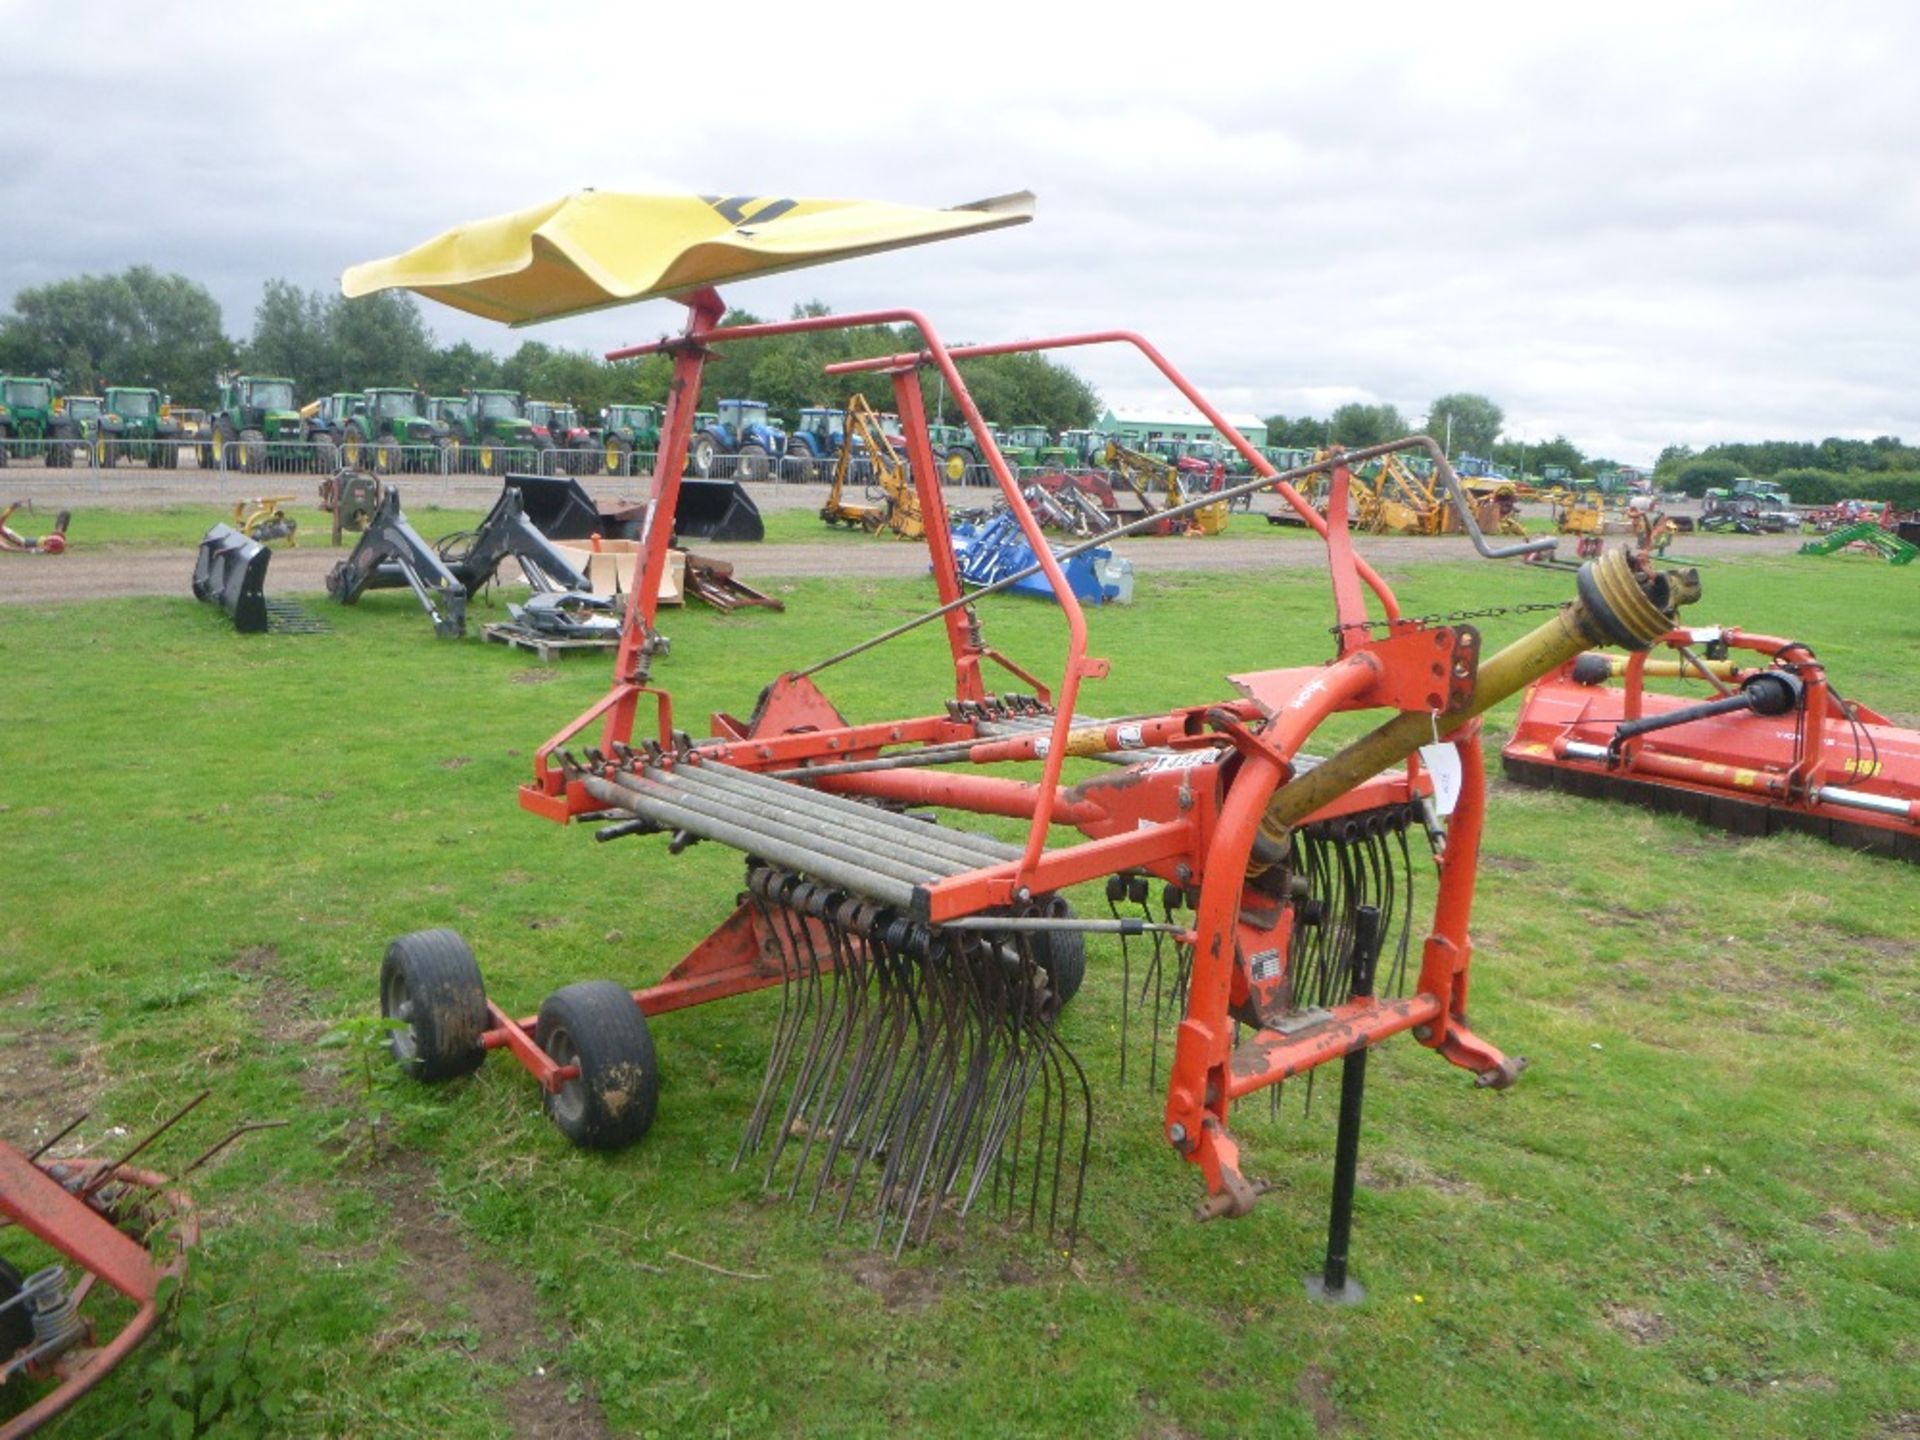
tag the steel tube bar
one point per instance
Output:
(860, 879)
(921, 846)
(852, 813)
(709, 808)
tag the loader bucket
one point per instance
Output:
(558, 506)
(231, 571)
(716, 510)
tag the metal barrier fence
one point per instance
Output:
(320, 457)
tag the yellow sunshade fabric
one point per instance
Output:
(593, 249)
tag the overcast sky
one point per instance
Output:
(1631, 224)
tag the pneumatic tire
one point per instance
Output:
(430, 981)
(596, 1026)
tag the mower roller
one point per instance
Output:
(918, 1066)
(1776, 748)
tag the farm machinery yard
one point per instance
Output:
(938, 1032)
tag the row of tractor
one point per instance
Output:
(742, 439)
(256, 425)
(129, 421)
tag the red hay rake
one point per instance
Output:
(917, 1069)
(1776, 748)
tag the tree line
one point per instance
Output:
(1811, 472)
(1466, 423)
(144, 328)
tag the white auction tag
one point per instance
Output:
(1443, 764)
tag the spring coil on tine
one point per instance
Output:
(57, 1325)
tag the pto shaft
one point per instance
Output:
(1621, 602)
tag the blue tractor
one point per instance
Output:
(814, 445)
(740, 430)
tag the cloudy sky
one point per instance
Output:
(1631, 224)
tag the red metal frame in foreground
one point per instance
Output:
(1853, 778)
(49, 1201)
(1191, 815)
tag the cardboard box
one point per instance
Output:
(609, 569)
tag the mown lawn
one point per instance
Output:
(1697, 1214)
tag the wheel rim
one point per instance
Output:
(396, 1003)
(486, 459)
(956, 468)
(569, 1102)
(613, 457)
(352, 452)
(219, 450)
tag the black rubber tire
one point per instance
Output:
(1063, 955)
(754, 462)
(253, 452)
(619, 459)
(326, 455)
(596, 1025)
(430, 979)
(387, 455)
(700, 456)
(16, 1326)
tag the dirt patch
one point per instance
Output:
(284, 1012)
(446, 1280)
(1396, 1172)
(1877, 1229)
(1510, 864)
(535, 677)
(900, 1287)
(1904, 1426)
(1642, 1327)
(456, 762)
(49, 1075)
(1315, 1390)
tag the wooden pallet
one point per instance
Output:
(548, 647)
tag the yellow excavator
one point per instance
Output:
(1162, 485)
(867, 452)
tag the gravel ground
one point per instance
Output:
(81, 574)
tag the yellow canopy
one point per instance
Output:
(593, 249)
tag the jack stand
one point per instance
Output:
(1332, 1285)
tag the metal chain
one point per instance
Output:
(1450, 617)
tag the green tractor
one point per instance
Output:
(390, 431)
(27, 421)
(76, 426)
(255, 425)
(626, 430)
(485, 427)
(1030, 447)
(135, 426)
(958, 454)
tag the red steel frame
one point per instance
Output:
(47, 1201)
(1794, 762)
(1191, 818)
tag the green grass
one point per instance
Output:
(174, 526)
(1695, 1215)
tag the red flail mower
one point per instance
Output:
(918, 1068)
(1777, 747)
